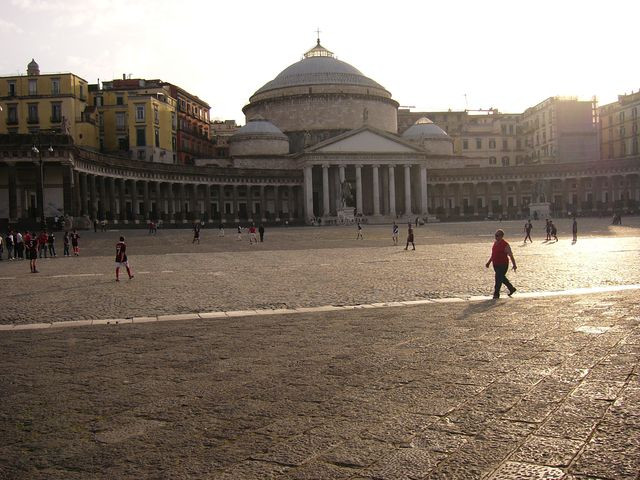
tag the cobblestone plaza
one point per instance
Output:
(456, 387)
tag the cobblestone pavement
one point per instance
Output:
(298, 267)
(543, 388)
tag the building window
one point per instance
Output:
(55, 86)
(82, 97)
(510, 129)
(141, 155)
(622, 116)
(33, 87)
(120, 120)
(622, 132)
(478, 143)
(139, 113)
(505, 161)
(465, 144)
(12, 88)
(157, 137)
(119, 100)
(492, 143)
(156, 118)
(123, 143)
(173, 143)
(12, 114)
(492, 161)
(56, 112)
(141, 140)
(505, 145)
(173, 120)
(99, 101)
(32, 113)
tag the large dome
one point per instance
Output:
(320, 97)
(319, 67)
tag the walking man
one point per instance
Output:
(10, 245)
(32, 251)
(410, 237)
(65, 244)
(74, 243)
(51, 240)
(121, 259)
(261, 232)
(574, 229)
(500, 254)
(548, 229)
(359, 236)
(554, 231)
(395, 231)
(221, 230)
(196, 234)
(527, 231)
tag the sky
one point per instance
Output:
(450, 54)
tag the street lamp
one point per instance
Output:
(38, 151)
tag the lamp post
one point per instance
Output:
(38, 150)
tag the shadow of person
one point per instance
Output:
(482, 306)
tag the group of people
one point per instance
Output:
(252, 230)
(31, 246)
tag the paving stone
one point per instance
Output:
(609, 457)
(405, 464)
(519, 471)
(554, 452)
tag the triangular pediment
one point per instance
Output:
(364, 140)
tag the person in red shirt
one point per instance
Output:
(500, 254)
(121, 259)
(252, 235)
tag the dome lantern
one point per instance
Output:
(33, 68)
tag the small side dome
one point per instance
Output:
(258, 137)
(424, 128)
(430, 137)
(33, 68)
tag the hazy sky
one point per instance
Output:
(503, 54)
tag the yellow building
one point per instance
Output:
(136, 116)
(52, 103)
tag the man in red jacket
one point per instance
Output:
(500, 254)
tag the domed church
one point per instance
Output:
(341, 128)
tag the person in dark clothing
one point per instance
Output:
(500, 254)
(574, 230)
(65, 244)
(261, 232)
(51, 242)
(410, 237)
(527, 230)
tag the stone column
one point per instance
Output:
(503, 197)
(424, 203)
(83, 194)
(182, 198)
(325, 190)
(171, 207)
(135, 206)
(291, 202)
(102, 197)
(308, 193)
(445, 199)
(92, 195)
(407, 190)
(263, 204)
(207, 203)
(146, 200)
(123, 201)
(342, 174)
(376, 191)
(474, 198)
(67, 190)
(112, 199)
(392, 191)
(359, 189)
(13, 193)
(234, 207)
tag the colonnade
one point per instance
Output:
(568, 195)
(133, 200)
(378, 189)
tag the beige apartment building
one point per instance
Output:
(619, 134)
